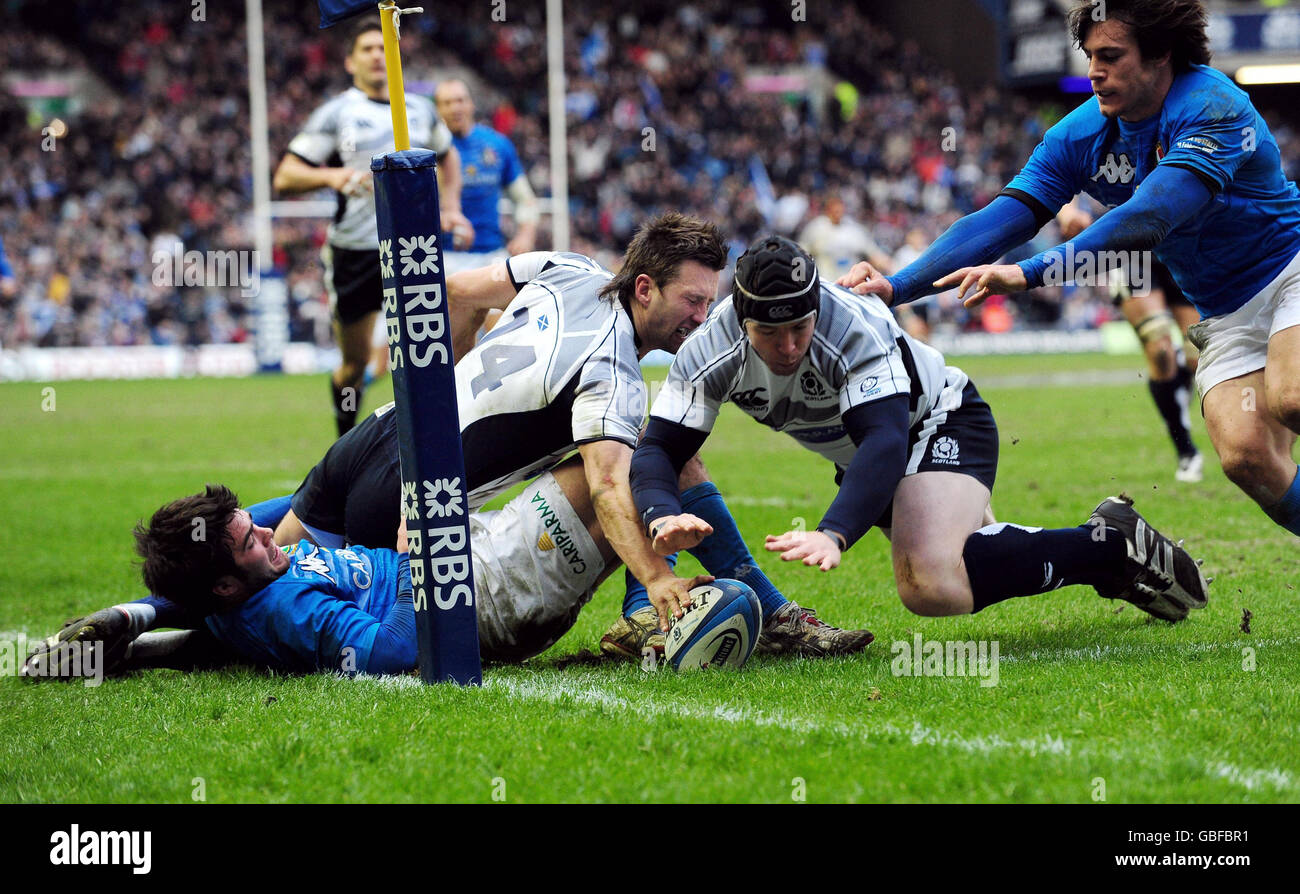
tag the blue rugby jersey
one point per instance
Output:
(329, 600)
(489, 164)
(1231, 249)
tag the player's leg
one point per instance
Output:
(536, 564)
(1186, 317)
(347, 384)
(934, 514)
(1169, 378)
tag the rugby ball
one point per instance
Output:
(719, 629)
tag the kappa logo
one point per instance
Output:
(1121, 171)
(753, 399)
(945, 451)
(813, 389)
(313, 562)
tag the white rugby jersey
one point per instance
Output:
(858, 355)
(559, 369)
(347, 132)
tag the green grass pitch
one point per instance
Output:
(1090, 701)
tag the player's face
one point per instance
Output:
(679, 307)
(258, 558)
(366, 61)
(782, 348)
(455, 107)
(1127, 86)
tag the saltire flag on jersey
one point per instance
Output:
(334, 11)
(435, 498)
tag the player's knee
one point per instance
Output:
(1284, 404)
(693, 473)
(1246, 465)
(927, 591)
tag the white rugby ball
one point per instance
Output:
(720, 629)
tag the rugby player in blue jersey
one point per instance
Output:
(490, 166)
(1190, 170)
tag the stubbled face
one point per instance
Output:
(455, 106)
(673, 311)
(1127, 86)
(783, 347)
(366, 62)
(259, 560)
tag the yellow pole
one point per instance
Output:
(396, 89)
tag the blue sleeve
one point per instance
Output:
(657, 462)
(394, 648)
(270, 513)
(512, 168)
(977, 238)
(1051, 176)
(6, 272)
(1166, 198)
(879, 429)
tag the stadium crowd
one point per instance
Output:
(660, 118)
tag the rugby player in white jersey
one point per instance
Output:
(914, 446)
(334, 150)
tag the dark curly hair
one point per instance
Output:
(1176, 27)
(186, 549)
(660, 247)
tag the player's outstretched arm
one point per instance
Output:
(656, 466)
(607, 464)
(295, 176)
(879, 429)
(977, 238)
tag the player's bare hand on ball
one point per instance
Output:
(674, 533)
(985, 280)
(812, 547)
(670, 595)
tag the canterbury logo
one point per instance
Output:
(1121, 171)
(545, 542)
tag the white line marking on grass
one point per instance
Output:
(1252, 779)
(555, 691)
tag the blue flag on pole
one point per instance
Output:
(334, 11)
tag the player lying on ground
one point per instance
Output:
(1189, 169)
(1153, 308)
(305, 607)
(914, 446)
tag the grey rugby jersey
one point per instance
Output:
(858, 355)
(559, 369)
(347, 132)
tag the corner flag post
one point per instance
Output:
(434, 502)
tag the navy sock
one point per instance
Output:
(723, 553)
(1171, 399)
(1004, 560)
(347, 403)
(637, 597)
(1286, 512)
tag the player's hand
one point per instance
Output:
(670, 595)
(673, 533)
(8, 287)
(462, 231)
(353, 183)
(520, 244)
(985, 280)
(867, 280)
(813, 547)
(108, 633)
(1072, 221)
